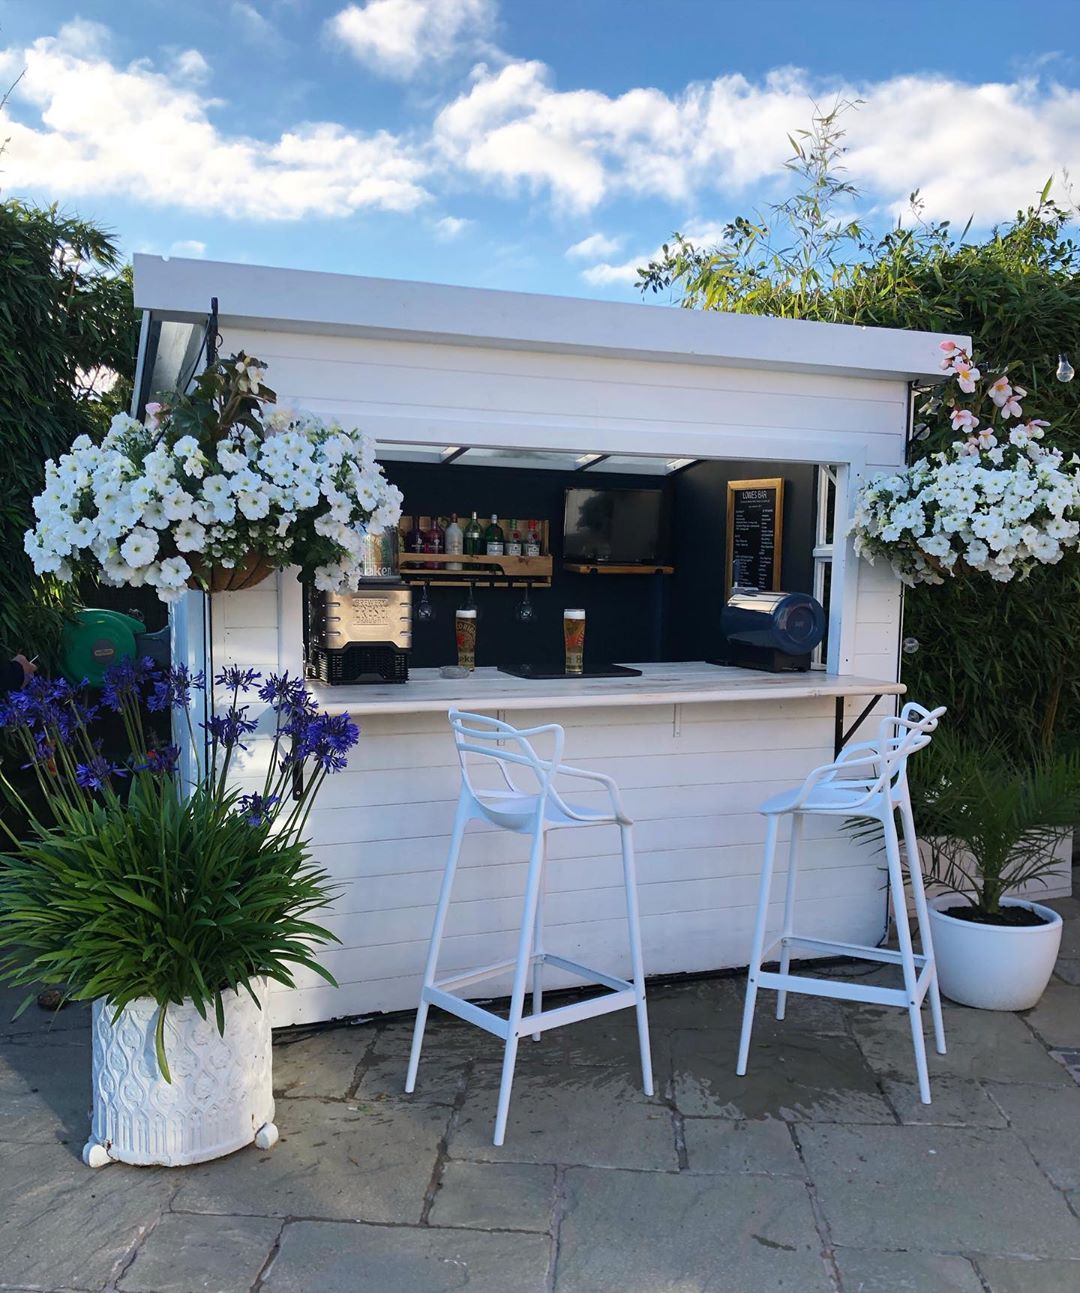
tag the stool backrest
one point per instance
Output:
(900, 736)
(490, 740)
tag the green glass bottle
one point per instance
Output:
(494, 539)
(474, 538)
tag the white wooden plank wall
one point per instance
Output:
(382, 827)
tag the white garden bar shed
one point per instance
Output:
(442, 376)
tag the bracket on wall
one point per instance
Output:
(213, 338)
(840, 737)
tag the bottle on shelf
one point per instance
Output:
(455, 542)
(414, 539)
(494, 539)
(473, 538)
(513, 543)
(434, 540)
(532, 539)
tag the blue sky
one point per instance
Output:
(543, 145)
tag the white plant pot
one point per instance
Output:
(220, 1097)
(994, 967)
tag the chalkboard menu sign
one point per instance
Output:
(755, 522)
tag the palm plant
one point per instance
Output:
(992, 822)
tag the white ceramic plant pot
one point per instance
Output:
(220, 1097)
(994, 967)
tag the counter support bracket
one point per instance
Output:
(841, 737)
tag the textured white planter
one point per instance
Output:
(220, 1097)
(994, 967)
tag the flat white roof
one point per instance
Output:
(294, 300)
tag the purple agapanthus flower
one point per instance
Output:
(323, 738)
(226, 729)
(236, 678)
(257, 810)
(95, 774)
(284, 694)
(123, 681)
(162, 760)
(172, 690)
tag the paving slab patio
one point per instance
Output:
(820, 1170)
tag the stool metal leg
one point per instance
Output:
(521, 969)
(637, 962)
(789, 907)
(757, 946)
(922, 915)
(907, 955)
(538, 938)
(460, 821)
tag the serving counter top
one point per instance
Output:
(689, 683)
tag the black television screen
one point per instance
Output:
(624, 526)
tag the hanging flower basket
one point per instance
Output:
(248, 572)
(998, 502)
(213, 492)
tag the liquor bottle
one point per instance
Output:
(532, 540)
(414, 540)
(494, 539)
(513, 544)
(434, 541)
(474, 538)
(455, 542)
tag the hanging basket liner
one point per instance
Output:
(252, 570)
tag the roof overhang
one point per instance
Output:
(306, 301)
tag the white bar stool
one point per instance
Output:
(867, 780)
(531, 812)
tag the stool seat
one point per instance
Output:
(842, 797)
(517, 812)
(531, 812)
(868, 780)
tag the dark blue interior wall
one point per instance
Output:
(629, 617)
(699, 538)
(625, 613)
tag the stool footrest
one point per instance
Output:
(838, 988)
(577, 1010)
(485, 1019)
(860, 951)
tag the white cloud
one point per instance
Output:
(971, 148)
(396, 37)
(188, 247)
(606, 274)
(147, 135)
(450, 227)
(255, 25)
(596, 244)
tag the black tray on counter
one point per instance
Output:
(539, 673)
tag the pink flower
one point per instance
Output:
(948, 346)
(963, 420)
(986, 438)
(1010, 408)
(153, 414)
(966, 375)
(1000, 391)
(1035, 428)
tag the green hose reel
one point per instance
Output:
(95, 639)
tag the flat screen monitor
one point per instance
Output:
(622, 526)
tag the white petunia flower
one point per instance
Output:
(140, 547)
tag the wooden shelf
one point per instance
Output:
(480, 571)
(485, 571)
(605, 568)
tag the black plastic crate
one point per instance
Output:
(359, 662)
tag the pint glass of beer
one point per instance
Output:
(573, 623)
(465, 625)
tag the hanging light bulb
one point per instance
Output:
(1065, 371)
